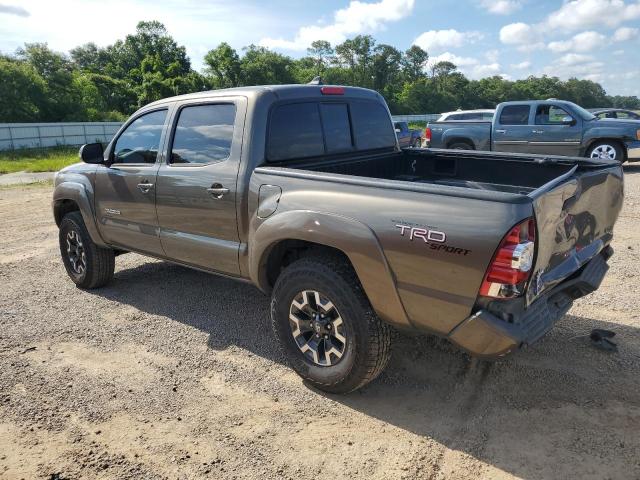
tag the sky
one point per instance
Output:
(592, 39)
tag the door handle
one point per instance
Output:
(537, 131)
(145, 187)
(217, 191)
(501, 131)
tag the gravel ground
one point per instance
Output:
(172, 373)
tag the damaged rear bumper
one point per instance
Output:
(486, 335)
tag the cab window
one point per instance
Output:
(515, 115)
(551, 115)
(203, 134)
(140, 141)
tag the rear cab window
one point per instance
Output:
(316, 128)
(515, 115)
(203, 134)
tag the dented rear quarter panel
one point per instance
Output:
(411, 283)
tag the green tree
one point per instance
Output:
(261, 66)
(414, 63)
(321, 52)
(223, 65)
(22, 91)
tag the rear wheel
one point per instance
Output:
(87, 264)
(606, 151)
(325, 325)
(460, 146)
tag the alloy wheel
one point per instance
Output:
(76, 253)
(604, 152)
(317, 328)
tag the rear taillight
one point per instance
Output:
(427, 134)
(511, 266)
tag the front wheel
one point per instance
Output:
(325, 325)
(87, 264)
(606, 151)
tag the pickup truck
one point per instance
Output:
(303, 191)
(407, 137)
(549, 127)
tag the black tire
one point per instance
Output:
(461, 146)
(99, 263)
(367, 347)
(607, 146)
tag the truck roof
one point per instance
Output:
(281, 91)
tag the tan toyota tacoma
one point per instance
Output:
(303, 191)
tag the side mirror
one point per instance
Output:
(568, 120)
(398, 130)
(92, 153)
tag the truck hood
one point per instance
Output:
(618, 122)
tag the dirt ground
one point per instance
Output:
(172, 373)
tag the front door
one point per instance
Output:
(555, 132)
(125, 191)
(196, 186)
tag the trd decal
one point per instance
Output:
(434, 238)
(423, 233)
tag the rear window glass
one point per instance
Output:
(295, 132)
(515, 115)
(337, 129)
(301, 130)
(371, 126)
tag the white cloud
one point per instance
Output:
(577, 14)
(438, 40)
(617, 53)
(473, 68)
(358, 17)
(582, 42)
(501, 7)
(518, 34)
(576, 65)
(14, 10)
(492, 55)
(625, 33)
(522, 65)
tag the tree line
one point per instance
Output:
(100, 84)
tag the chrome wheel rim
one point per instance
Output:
(76, 253)
(604, 152)
(317, 328)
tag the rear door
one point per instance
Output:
(196, 185)
(574, 216)
(511, 129)
(555, 131)
(126, 191)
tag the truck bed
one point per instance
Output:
(473, 170)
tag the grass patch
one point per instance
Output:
(37, 159)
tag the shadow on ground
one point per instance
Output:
(559, 409)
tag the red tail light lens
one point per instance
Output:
(511, 265)
(427, 134)
(332, 90)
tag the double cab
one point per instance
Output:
(303, 191)
(542, 127)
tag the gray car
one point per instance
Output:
(303, 191)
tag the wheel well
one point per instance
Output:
(618, 142)
(62, 207)
(285, 252)
(460, 140)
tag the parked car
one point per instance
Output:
(407, 137)
(618, 113)
(462, 115)
(547, 127)
(303, 191)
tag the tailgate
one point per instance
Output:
(575, 215)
